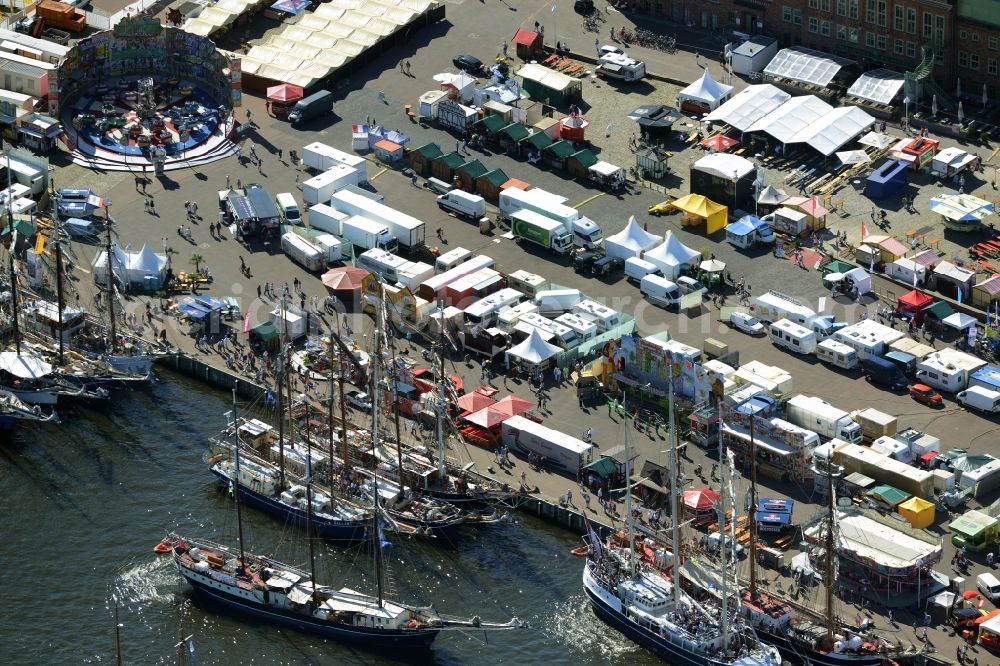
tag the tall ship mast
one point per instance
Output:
(656, 613)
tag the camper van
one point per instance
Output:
(527, 283)
(636, 269)
(288, 208)
(303, 252)
(660, 290)
(837, 354)
(463, 204)
(384, 264)
(791, 336)
(452, 258)
(484, 311)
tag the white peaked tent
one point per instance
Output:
(119, 265)
(146, 263)
(631, 241)
(533, 350)
(706, 93)
(671, 256)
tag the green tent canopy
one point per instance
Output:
(939, 310)
(265, 330)
(603, 467)
(890, 495)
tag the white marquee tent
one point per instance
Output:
(724, 165)
(146, 263)
(706, 91)
(833, 130)
(749, 105)
(792, 117)
(879, 86)
(804, 65)
(533, 350)
(671, 255)
(131, 267)
(631, 241)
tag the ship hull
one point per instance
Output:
(381, 640)
(325, 528)
(799, 654)
(673, 654)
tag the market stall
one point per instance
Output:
(699, 209)
(672, 256)
(631, 241)
(532, 353)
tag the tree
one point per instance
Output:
(170, 252)
(197, 259)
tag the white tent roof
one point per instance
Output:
(670, 255)
(25, 366)
(147, 261)
(834, 129)
(705, 89)
(806, 66)
(879, 86)
(792, 117)
(534, 349)
(724, 165)
(749, 105)
(630, 241)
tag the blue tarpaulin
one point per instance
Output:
(197, 307)
(773, 514)
(294, 7)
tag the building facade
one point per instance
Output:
(964, 34)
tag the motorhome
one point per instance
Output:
(585, 329)
(837, 354)
(791, 336)
(527, 283)
(773, 305)
(620, 66)
(452, 258)
(868, 337)
(509, 316)
(948, 369)
(551, 330)
(483, 312)
(384, 264)
(602, 315)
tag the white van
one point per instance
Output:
(688, 285)
(837, 354)
(636, 269)
(791, 336)
(452, 258)
(463, 204)
(979, 398)
(989, 586)
(289, 209)
(659, 290)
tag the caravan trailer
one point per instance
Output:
(791, 336)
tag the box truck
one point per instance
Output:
(406, 228)
(320, 157)
(584, 231)
(555, 448)
(318, 104)
(320, 188)
(326, 218)
(821, 417)
(368, 234)
(540, 230)
(303, 252)
(331, 246)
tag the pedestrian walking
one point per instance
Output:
(597, 46)
(227, 182)
(504, 48)
(608, 131)
(259, 290)
(194, 210)
(402, 66)
(408, 68)
(586, 499)
(249, 117)
(145, 205)
(281, 152)
(299, 186)
(413, 179)
(381, 97)
(569, 497)
(152, 206)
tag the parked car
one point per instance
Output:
(608, 266)
(467, 63)
(662, 208)
(359, 400)
(583, 261)
(924, 394)
(747, 323)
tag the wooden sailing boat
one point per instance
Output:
(281, 594)
(798, 633)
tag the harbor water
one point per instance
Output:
(86, 500)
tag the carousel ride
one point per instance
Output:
(140, 116)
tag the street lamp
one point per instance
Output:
(906, 104)
(736, 177)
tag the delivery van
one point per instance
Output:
(288, 208)
(659, 290)
(884, 373)
(636, 269)
(463, 204)
(837, 354)
(791, 336)
(988, 586)
(980, 399)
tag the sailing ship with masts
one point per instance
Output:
(809, 636)
(654, 611)
(282, 594)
